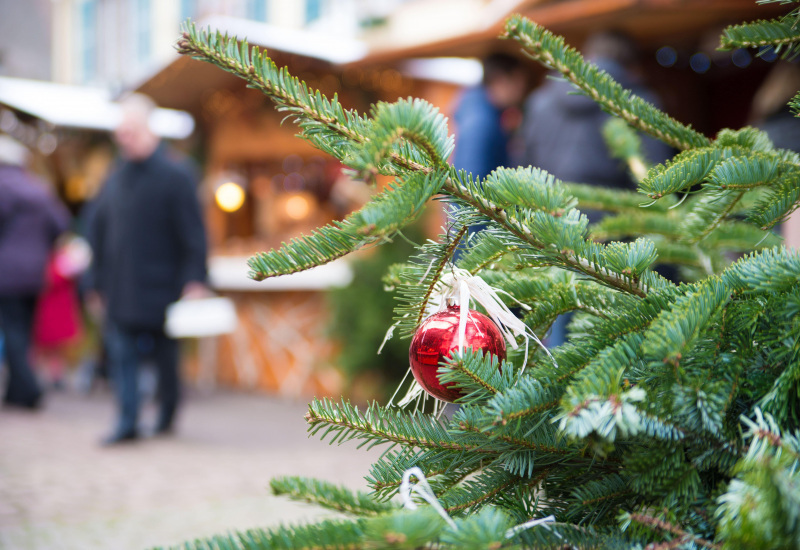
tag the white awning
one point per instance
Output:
(83, 107)
(316, 44)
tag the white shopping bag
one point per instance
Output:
(200, 317)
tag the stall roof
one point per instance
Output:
(184, 82)
(650, 22)
(82, 107)
(469, 33)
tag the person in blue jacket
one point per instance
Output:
(482, 141)
(482, 135)
(149, 245)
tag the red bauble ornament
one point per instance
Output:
(437, 337)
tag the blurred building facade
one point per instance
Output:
(25, 39)
(120, 42)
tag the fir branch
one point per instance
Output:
(420, 123)
(779, 203)
(773, 270)
(749, 138)
(524, 187)
(656, 523)
(328, 495)
(484, 530)
(629, 318)
(408, 529)
(478, 491)
(637, 223)
(477, 375)
(745, 172)
(782, 35)
(596, 197)
(794, 104)
(419, 278)
(444, 469)
(529, 397)
(515, 443)
(486, 251)
(551, 51)
(561, 242)
(708, 212)
(674, 331)
(377, 220)
(685, 170)
(261, 73)
(626, 145)
(326, 535)
(377, 426)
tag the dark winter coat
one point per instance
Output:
(148, 238)
(562, 132)
(30, 220)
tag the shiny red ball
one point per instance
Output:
(437, 337)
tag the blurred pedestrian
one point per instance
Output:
(149, 244)
(482, 126)
(562, 130)
(58, 323)
(482, 133)
(31, 218)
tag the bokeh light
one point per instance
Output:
(229, 196)
(700, 62)
(741, 58)
(666, 56)
(767, 53)
(297, 207)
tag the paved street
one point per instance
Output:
(60, 490)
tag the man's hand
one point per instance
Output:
(194, 290)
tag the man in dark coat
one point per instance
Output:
(30, 220)
(150, 250)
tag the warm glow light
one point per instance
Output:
(229, 197)
(297, 207)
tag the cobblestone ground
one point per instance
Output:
(60, 490)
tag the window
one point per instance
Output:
(141, 18)
(188, 8)
(87, 21)
(257, 10)
(313, 10)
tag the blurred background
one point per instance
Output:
(63, 63)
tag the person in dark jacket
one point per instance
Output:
(562, 130)
(31, 219)
(149, 242)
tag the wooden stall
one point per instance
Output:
(289, 188)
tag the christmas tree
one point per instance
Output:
(671, 419)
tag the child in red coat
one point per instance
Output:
(57, 322)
